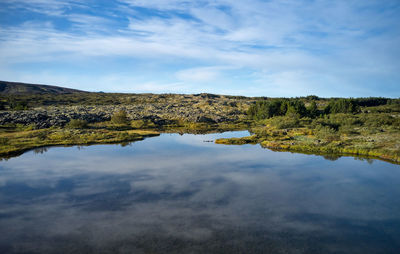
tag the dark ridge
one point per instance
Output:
(7, 87)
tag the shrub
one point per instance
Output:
(30, 127)
(17, 104)
(77, 124)
(378, 120)
(285, 122)
(140, 124)
(348, 130)
(327, 133)
(123, 135)
(42, 135)
(120, 117)
(4, 141)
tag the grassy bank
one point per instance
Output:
(16, 139)
(370, 135)
(359, 135)
(308, 144)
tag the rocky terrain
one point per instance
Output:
(160, 109)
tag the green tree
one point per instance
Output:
(297, 107)
(312, 110)
(277, 107)
(341, 106)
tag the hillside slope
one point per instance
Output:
(7, 87)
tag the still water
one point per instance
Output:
(179, 194)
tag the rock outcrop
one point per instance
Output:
(191, 108)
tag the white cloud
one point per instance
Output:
(89, 22)
(286, 39)
(160, 4)
(153, 87)
(47, 7)
(200, 74)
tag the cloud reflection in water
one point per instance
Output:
(174, 194)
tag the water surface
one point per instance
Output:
(178, 194)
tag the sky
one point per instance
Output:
(274, 48)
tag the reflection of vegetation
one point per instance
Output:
(40, 150)
(331, 157)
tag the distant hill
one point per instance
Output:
(7, 87)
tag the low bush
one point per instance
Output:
(327, 133)
(77, 124)
(142, 124)
(285, 122)
(120, 117)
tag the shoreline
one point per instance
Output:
(87, 137)
(311, 150)
(16, 142)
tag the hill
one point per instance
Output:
(7, 87)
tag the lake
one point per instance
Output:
(181, 194)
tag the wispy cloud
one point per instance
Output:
(210, 73)
(47, 7)
(287, 43)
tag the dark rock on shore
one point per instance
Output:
(45, 117)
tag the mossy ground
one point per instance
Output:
(358, 140)
(15, 140)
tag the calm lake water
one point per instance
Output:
(179, 194)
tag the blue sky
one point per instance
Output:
(338, 48)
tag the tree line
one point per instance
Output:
(268, 108)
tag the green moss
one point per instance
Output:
(237, 141)
(19, 141)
